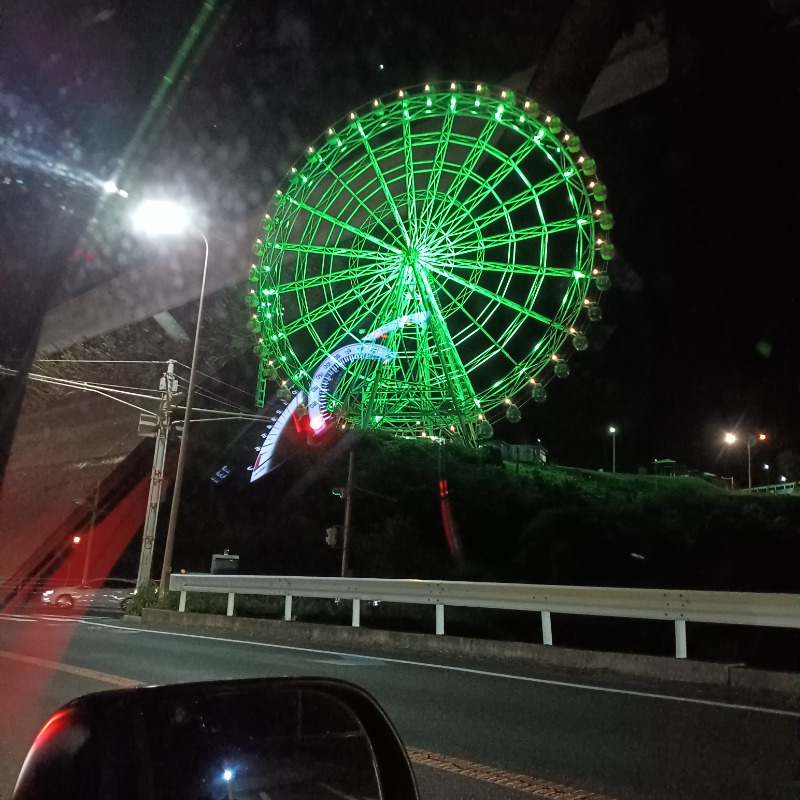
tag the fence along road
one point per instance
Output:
(680, 607)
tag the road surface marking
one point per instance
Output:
(501, 777)
(486, 673)
(52, 619)
(509, 780)
(103, 677)
(352, 661)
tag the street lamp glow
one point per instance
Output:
(227, 775)
(160, 218)
(612, 429)
(109, 187)
(749, 440)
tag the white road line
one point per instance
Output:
(55, 621)
(83, 672)
(485, 673)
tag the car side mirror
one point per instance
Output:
(292, 737)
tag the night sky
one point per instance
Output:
(699, 332)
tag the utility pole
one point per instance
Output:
(348, 505)
(169, 386)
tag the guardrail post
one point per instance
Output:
(287, 607)
(547, 628)
(231, 595)
(356, 612)
(439, 619)
(680, 638)
(182, 602)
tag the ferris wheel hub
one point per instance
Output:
(410, 256)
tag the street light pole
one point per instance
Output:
(613, 431)
(176, 494)
(750, 440)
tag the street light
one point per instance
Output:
(613, 431)
(766, 467)
(165, 218)
(753, 438)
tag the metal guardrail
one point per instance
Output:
(680, 607)
(775, 488)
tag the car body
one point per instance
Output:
(102, 594)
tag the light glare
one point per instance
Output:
(160, 218)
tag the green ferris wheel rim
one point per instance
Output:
(460, 227)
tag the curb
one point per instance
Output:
(624, 664)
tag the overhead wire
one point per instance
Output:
(94, 361)
(218, 380)
(210, 395)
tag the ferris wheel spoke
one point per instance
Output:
(342, 224)
(408, 156)
(328, 250)
(359, 201)
(465, 170)
(463, 225)
(504, 267)
(342, 331)
(511, 238)
(437, 168)
(376, 167)
(455, 374)
(495, 343)
(498, 298)
(314, 281)
(489, 185)
(311, 315)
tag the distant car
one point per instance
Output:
(103, 594)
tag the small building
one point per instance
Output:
(669, 467)
(535, 454)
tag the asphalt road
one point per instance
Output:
(629, 742)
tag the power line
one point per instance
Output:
(209, 395)
(94, 361)
(109, 386)
(213, 378)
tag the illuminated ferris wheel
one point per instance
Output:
(431, 263)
